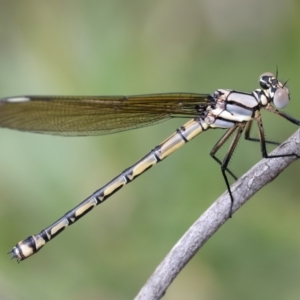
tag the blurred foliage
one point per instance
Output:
(132, 47)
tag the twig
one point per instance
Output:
(211, 220)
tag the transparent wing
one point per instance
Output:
(88, 115)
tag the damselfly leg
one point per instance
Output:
(263, 142)
(248, 136)
(238, 129)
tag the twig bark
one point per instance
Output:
(215, 216)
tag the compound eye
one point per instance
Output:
(281, 98)
(265, 79)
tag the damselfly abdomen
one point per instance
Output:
(75, 116)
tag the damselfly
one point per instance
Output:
(81, 116)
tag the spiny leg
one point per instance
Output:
(239, 127)
(284, 115)
(262, 135)
(249, 138)
(219, 144)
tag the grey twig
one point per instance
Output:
(211, 220)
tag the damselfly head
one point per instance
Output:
(276, 90)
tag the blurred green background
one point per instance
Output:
(133, 47)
